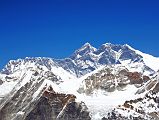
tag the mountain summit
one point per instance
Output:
(89, 58)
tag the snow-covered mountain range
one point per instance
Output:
(113, 82)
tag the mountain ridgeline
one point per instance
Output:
(87, 85)
(84, 60)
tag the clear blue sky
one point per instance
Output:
(55, 28)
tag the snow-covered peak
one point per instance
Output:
(34, 64)
(150, 61)
(88, 58)
(19, 64)
(84, 50)
(87, 45)
(110, 45)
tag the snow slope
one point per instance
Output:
(150, 61)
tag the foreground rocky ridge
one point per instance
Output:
(36, 99)
(56, 106)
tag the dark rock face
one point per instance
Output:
(55, 111)
(48, 105)
(18, 102)
(1, 82)
(156, 89)
(136, 78)
(55, 106)
(75, 111)
(43, 111)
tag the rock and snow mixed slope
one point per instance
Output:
(37, 94)
(88, 58)
(114, 88)
(111, 82)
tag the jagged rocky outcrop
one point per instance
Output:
(56, 106)
(111, 78)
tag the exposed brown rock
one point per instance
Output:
(151, 84)
(146, 78)
(136, 78)
(64, 98)
(57, 106)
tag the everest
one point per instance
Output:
(112, 82)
